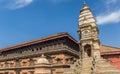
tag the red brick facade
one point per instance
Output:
(111, 54)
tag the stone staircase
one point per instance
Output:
(91, 66)
(86, 66)
(74, 68)
(104, 67)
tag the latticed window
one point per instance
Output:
(24, 63)
(1, 65)
(11, 64)
(50, 60)
(59, 61)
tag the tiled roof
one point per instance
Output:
(47, 38)
(106, 50)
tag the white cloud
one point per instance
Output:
(111, 1)
(16, 4)
(113, 17)
(57, 1)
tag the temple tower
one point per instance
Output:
(90, 61)
(88, 34)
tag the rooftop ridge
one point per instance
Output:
(110, 46)
(106, 50)
(43, 39)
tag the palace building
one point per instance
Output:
(60, 49)
(62, 54)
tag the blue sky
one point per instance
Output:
(25, 20)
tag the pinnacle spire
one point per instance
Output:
(85, 7)
(86, 16)
(85, 3)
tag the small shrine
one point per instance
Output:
(43, 66)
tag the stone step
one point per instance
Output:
(85, 73)
(107, 68)
(87, 62)
(103, 62)
(108, 72)
(86, 66)
(105, 65)
(86, 70)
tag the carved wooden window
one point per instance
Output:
(1, 65)
(50, 60)
(67, 60)
(40, 48)
(32, 62)
(24, 63)
(37, 49)
(35, 61)
(20, 52)
(59, 61)
(32, 50)
(5, 55)
(11, 64)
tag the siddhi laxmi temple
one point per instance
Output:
(62, 54)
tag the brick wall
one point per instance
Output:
(113, 59)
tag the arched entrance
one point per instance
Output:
(87, 50)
